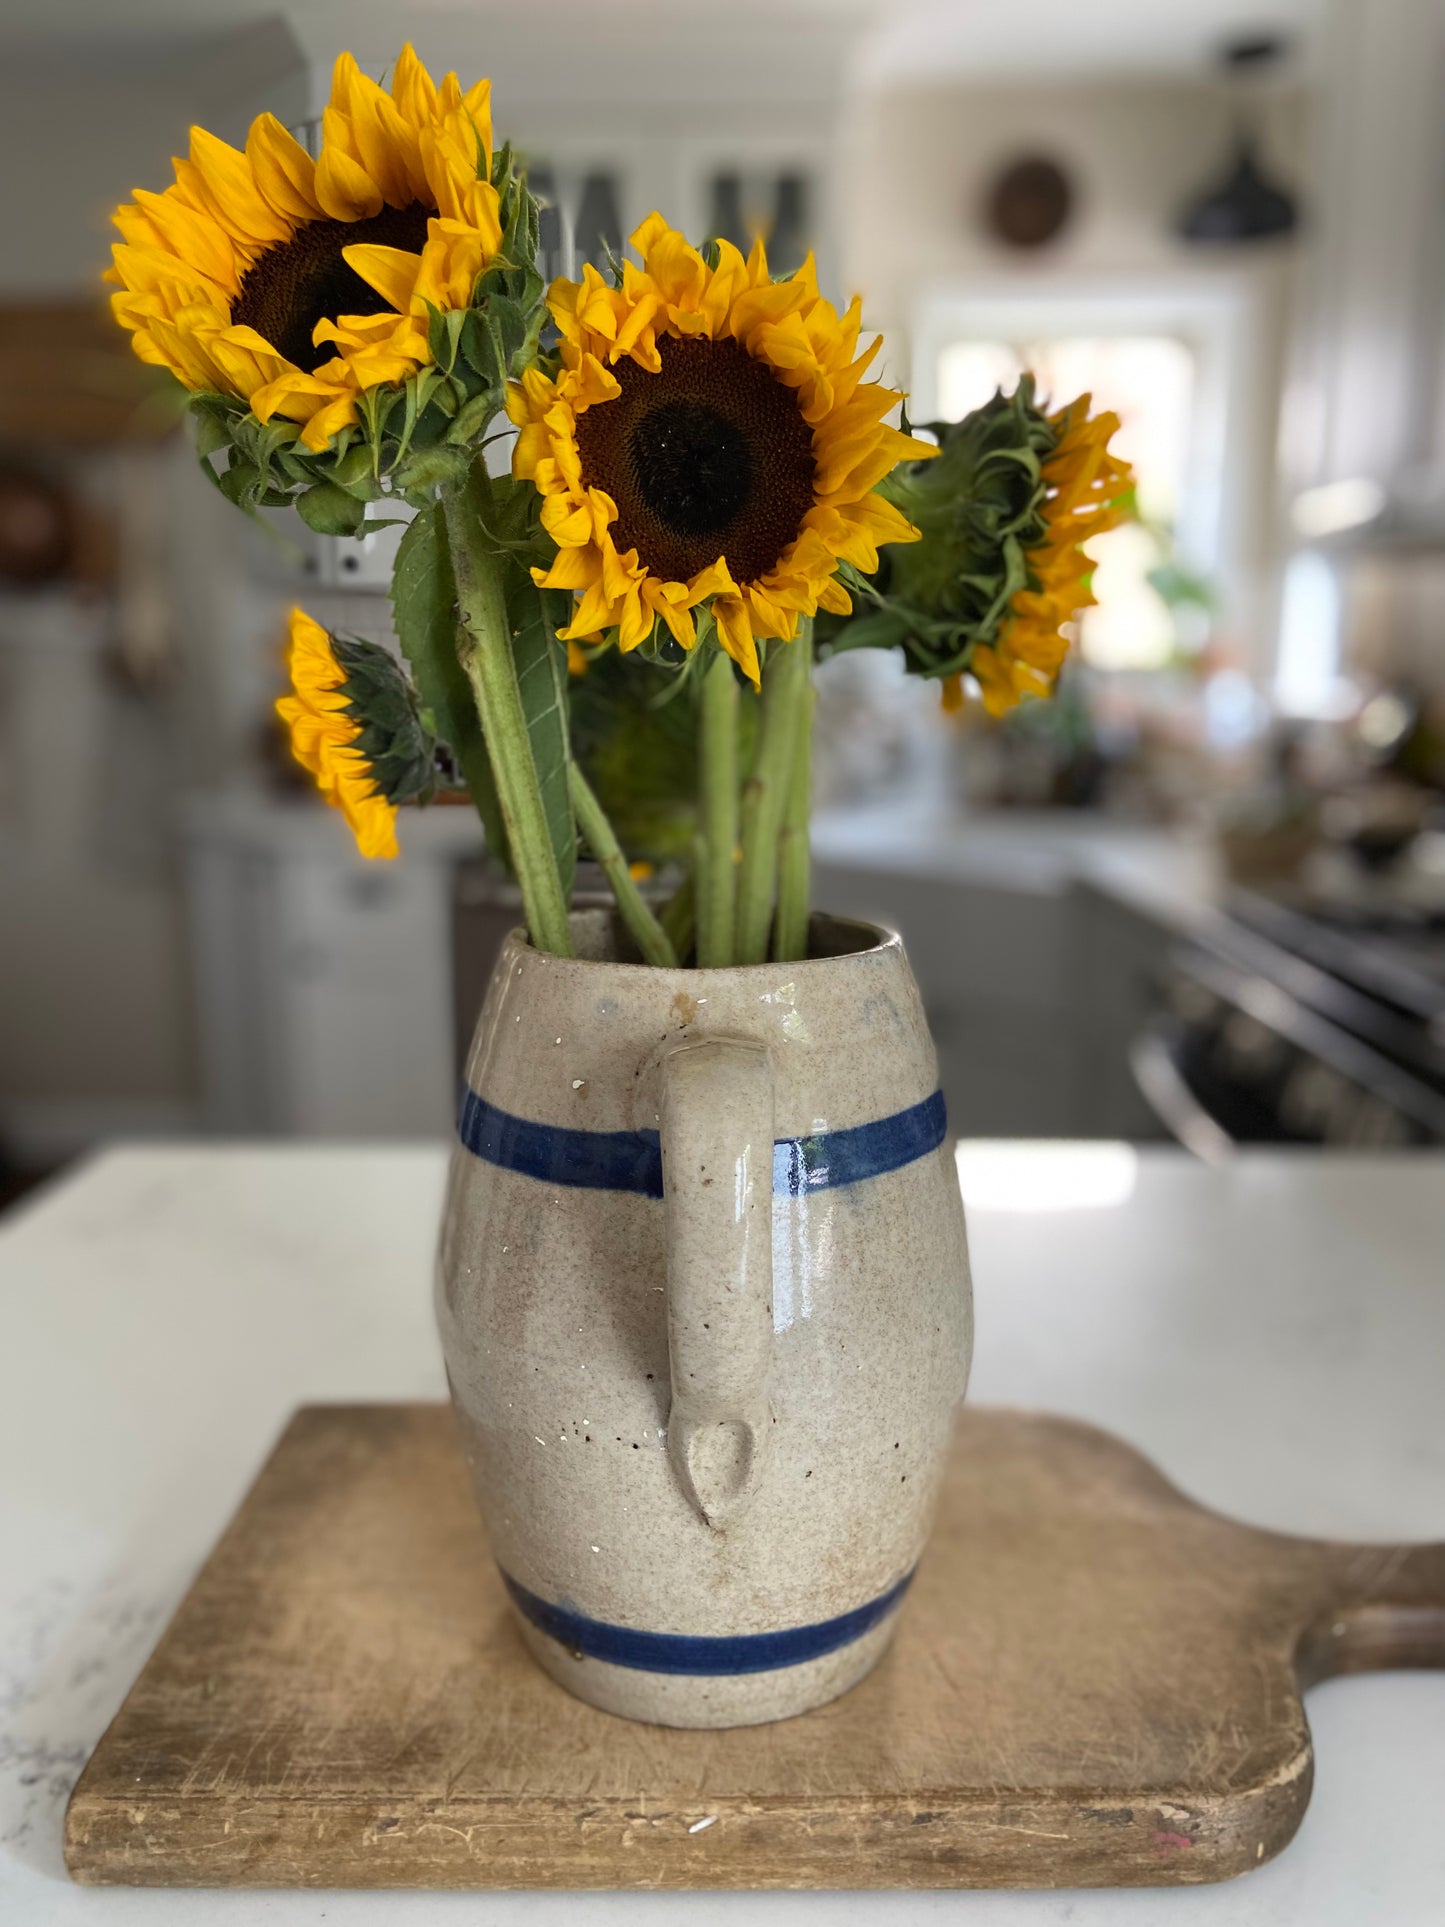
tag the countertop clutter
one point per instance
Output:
(1270, 1333)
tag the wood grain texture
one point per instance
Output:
(1095, 1683)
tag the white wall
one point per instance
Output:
(920, 160)
(80, 128)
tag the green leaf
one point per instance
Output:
(330, 510)
(534, 616)
(471, 421)
(276, 434)
(212, 432)
(241, 482)
(207, 468)
(423, 601)
(443, 334)
(417, 391)
(433, 467)
(507, 516)
(353, 470)
(881, 629)
(295, 468)
(526, 352)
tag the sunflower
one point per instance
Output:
(998, 571)
(326, 735)
(708, 436)
(1087, 494)
(296, 285)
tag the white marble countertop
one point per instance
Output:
(1273, 1334)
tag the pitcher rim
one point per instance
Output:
(883, 939)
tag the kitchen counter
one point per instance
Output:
(1271, 1334)
(1171, 874)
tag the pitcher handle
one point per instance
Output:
(717, 1180)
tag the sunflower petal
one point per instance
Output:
(668, 599)
(735, 633)
(591, 383)
(233, 193)
(454, 256)
(137, 229)
(282, 169)
(344, 188)
(380, 138)
(391, 271)
(453, 157)
(569, 527)
(411, 87)
(328, 421)
(572, 569)
(595, 611)
(636, 623)
(713, 580)
(477, 105)
(650, 231)
(835, 598)
(192, 237)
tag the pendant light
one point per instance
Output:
(1246, 205)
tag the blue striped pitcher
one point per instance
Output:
(704, 1300)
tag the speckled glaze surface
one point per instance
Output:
(703, 1295)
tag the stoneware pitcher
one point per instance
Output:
(704, 1299)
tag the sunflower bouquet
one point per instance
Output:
(707, 491)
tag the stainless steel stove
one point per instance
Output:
(1285, 1023)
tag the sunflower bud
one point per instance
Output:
(999, 570)
(356, 724)
(400, 752)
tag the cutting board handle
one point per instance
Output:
(1388, 1613)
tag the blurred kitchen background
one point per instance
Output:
(1200, 897)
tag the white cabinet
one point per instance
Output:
(323, 982)
(992, 963)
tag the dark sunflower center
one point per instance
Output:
(692, 466)
(708, 457)
(304, 280)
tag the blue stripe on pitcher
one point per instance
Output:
(696, 1653)
(632, 1160)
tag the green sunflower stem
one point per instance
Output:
(484, 650)
(790, 927)
(678, 915)
(718, 780)
(597, 833)
(787, 681)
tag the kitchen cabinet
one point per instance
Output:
(1039, 942)
(323, 982)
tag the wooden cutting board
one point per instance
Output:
(1095, 1683)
